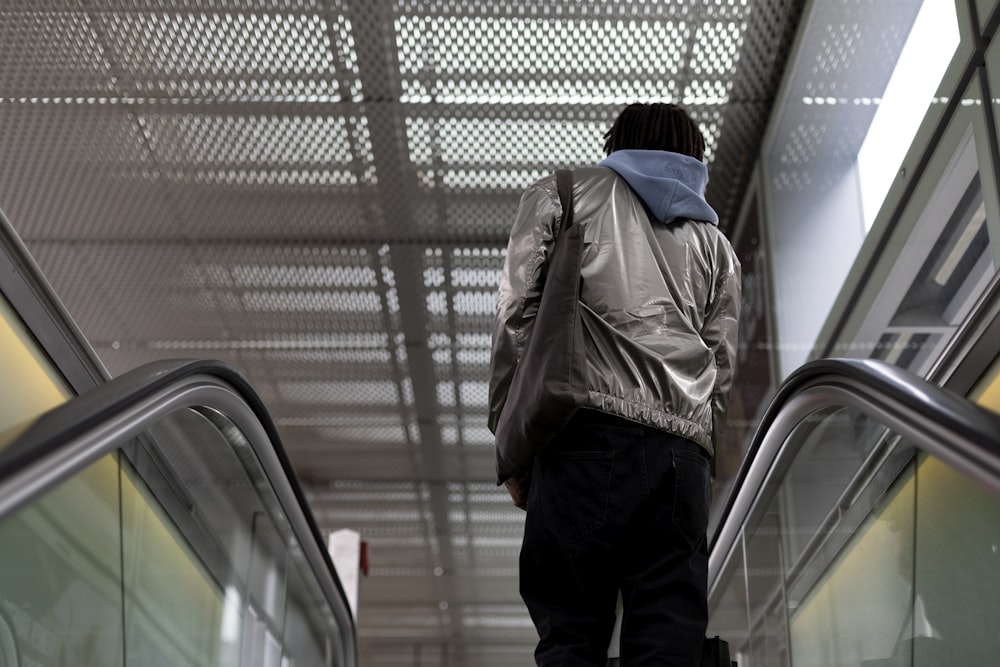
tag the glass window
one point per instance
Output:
(985, 8)
(987, 391)
(60, 571)
(853, 614)
(990, 189)
(863, 552)
(956, 588)
(940, 258)
(752, 392)
(837, 507)
(173, 607)
(863, 93)
(911, 88)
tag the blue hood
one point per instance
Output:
(672, 185)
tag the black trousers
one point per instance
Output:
(615, 505)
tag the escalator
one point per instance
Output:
(865, 529)
(155, 520)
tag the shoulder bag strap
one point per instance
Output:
(564, 186)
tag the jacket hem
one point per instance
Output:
(643, 414)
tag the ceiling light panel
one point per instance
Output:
(277, 204)
(484, 59)
(302, 174)
(274, 291)
(371, 439)
(306, 324)
(232, 55)
(384, 434)
(393, 528)
(239, 140)
(340, 394)
(477, 144)
(462, 284)
(363, 493)
(134, 292)
(410, 615)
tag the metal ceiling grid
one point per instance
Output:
(108, 188)
(319, 192)
(51, 54)
(452, 58)
(134, 293)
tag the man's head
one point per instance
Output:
(664, 127)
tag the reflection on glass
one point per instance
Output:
(728, 608)
(835, 146)
(957, 567)
(835, 450)
(863, 554)
(30, 385)
(957, 262)
(269, 608)
(266, 588)
(173, 607)
(765, 592)
(181, 554)
(60, 575)
(905, 349)
(310, 628)
(852, 616)
(986, 393)
(798, 532)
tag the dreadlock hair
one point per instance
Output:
(657, 126)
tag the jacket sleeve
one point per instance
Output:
(721, 333)
(521, 286)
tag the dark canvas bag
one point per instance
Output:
(715, 653)
(550, 381)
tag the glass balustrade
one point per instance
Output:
(173, 550)
(862, 552)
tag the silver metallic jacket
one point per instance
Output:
(660, 302)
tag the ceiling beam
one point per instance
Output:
(374, 35)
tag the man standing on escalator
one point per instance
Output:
(618, 501)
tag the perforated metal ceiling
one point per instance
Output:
(319, 192)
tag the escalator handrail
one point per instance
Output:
(937, 421)
(39, 452)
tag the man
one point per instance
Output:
(618, 501)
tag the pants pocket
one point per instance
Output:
(691, 495)
(575, 492)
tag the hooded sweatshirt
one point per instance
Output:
(670, 184)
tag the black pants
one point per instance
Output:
(615, 505)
